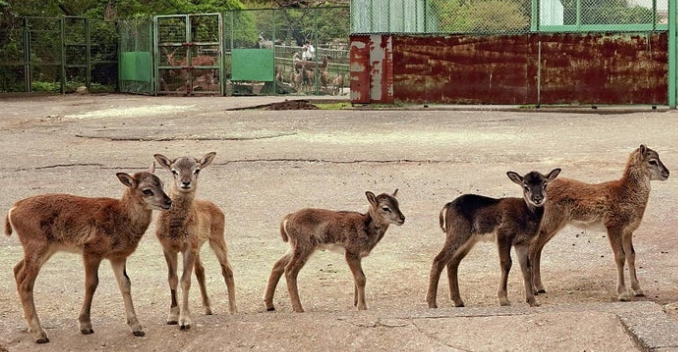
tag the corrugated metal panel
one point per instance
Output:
(359, 69)
(559, 68)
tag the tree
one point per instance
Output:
(479, 16)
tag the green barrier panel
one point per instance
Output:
(253, 65)
(136, 66)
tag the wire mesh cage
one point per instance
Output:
(136, 58)
(189, 53)
(13, 69)
(296, 51)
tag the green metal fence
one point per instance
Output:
(58, 55)
(264, 51)
(248, 52)
(506, 16)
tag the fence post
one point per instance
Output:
(88, 55)
(62, 26)
(534, 18)
(28, 84)
(672, 54)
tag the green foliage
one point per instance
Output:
(479, 16)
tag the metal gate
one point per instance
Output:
(189, 54)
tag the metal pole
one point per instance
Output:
(672, 54)
(28, 84)
(63, 55)
(222, 77)
(88, 56)
(275, 68)
(534, 20)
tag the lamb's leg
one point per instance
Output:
(125, 286)
(615, 237)
(185, 321)
(439, 263)
(200, 276)
(292, 269)
(173, 281)
(276, 273)
(631, 262)
(92, 263)
(221, 252)
(360, 280)
(505, 264)
(522, 254)
(26, 271)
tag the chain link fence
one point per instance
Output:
(506, 16)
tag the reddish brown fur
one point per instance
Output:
(514, 221)
(617, 205)
(353, 233)
(100, 228)
(185, 228)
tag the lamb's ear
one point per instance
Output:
(151, 168)
(163, 161)
(126, 179)
(642, 152)
(642, 148)
(515, 177)
(553, 174)
(371, 198)
(395, 193)
(207, 159)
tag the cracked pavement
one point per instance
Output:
(270, 163)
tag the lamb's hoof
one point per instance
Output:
(86, 331)
(172, 322)
(185, 327)
(459, 305)
(271, 309)
(42, 340)
(138, 333)
(541, 291)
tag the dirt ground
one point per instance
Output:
(270, 163)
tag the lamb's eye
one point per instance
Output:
(175, 172)
(147, 192)
(653, 162)
(197, 171)
(386, 209)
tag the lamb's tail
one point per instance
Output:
(283, 230)
(8, 225)
(443, 219)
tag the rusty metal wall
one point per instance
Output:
(558, 68)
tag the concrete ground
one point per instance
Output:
(270, 163)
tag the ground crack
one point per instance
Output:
(168, 139)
